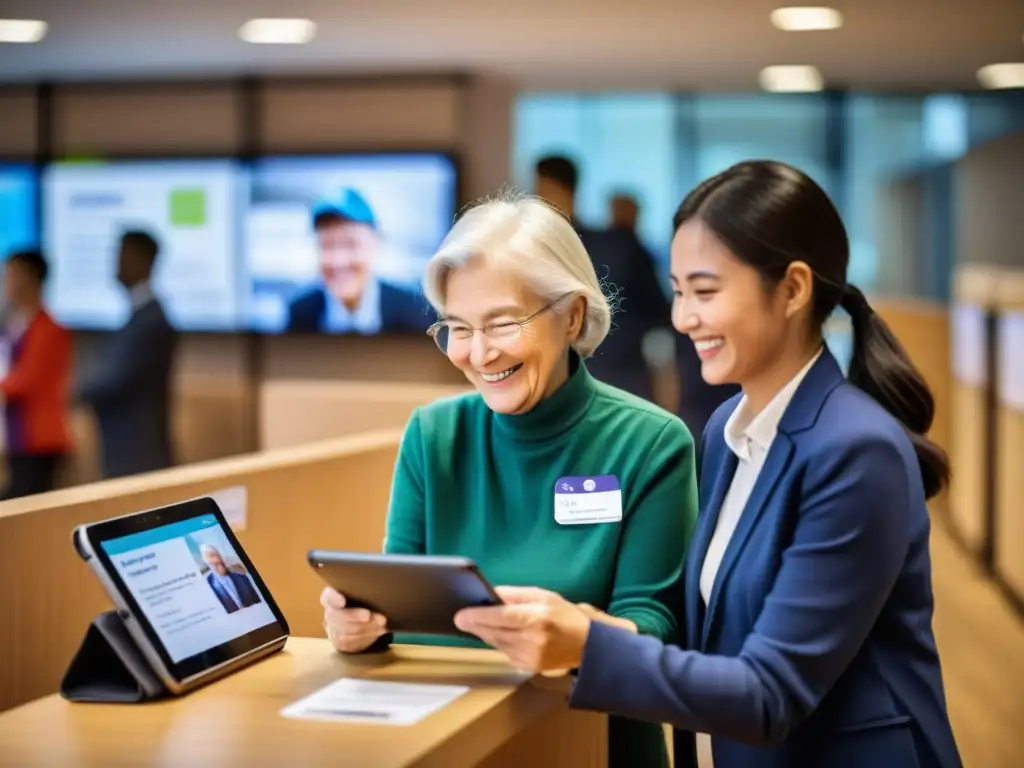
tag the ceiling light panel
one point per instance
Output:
(999, 76)
(791, 79)
(806, 19)
(277, 31)
(22, 30)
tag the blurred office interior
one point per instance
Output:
(903, 120)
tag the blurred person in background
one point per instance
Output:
(626, 266)
(697, 399)
(624, 212)
(351, 297)
(130, 391)
(521, 309)
(35, 388)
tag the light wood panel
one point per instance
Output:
(331, 495)
(298, 412)
(504, 720)
(147, 119)
(210, 419)
(969, 464)
(18, 132)
(1009, 492)
(326, 115)
(1009, 512)
(974, 289)
(923, 330)
(981, 645)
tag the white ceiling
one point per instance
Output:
(686, 44)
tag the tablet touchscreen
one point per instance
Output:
(189, 584)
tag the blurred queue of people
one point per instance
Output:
(642, 306)
(128, 392)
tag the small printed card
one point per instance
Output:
(588, 500)
(351, 700)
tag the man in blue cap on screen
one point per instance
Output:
(351, 298)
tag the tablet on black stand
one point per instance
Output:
(190, 607)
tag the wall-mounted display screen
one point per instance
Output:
(19, 221)
(191, 207)
(337, 244)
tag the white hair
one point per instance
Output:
(524, 234)
(208, 549)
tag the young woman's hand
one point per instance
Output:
(538, 630)
(594, 614)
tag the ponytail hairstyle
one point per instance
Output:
(769, 214)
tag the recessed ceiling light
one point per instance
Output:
(806, 19)
(277, 31)
(791, 79)
(22, 30)
(996, 76)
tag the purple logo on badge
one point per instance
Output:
(586, 484)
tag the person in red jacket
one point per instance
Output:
(35, 389)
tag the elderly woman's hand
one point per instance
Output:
(538, 630)
(350, 630)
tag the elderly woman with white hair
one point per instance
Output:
(544, 476)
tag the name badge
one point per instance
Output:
(585, 500)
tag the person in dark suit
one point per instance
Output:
(130, 392)
(697, 399)
(621, 261)
(234, 590)
(351, 298)
(808, 598)
(34, 389)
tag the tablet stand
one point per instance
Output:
(109, 668)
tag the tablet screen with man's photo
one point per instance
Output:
(191, 585)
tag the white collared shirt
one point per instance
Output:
(140, 294)
(364, 319)
(750, 437)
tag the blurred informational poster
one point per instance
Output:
(970, 358)
(1011, 359)
(191, 208)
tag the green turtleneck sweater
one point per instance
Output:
(480, 484)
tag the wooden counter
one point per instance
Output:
(330, 495)
(507, 719)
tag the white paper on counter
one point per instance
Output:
(350, 700)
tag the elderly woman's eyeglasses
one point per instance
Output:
(452, 336)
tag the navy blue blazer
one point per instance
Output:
(131, 394)
(246, 593)
(816, 649)
(401, 311)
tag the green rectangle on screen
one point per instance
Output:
(188, 207)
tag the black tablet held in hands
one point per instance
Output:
(419, 594)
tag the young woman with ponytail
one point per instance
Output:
(808, 600)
